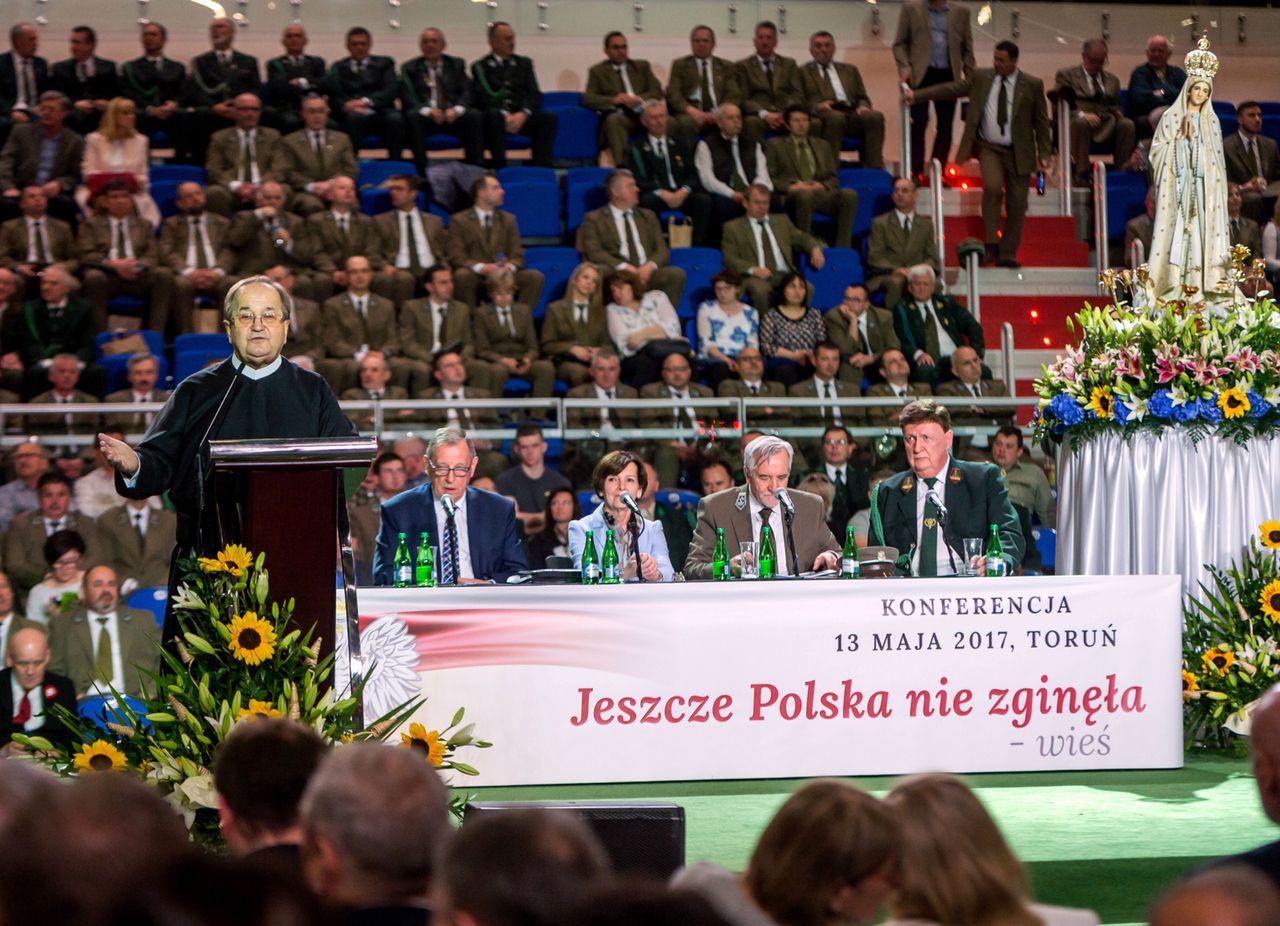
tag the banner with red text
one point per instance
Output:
(774, 679)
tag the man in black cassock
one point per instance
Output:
(266, 396)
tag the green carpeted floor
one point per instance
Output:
(1109, 841)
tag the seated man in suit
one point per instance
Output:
(1244, 230)
(575, 327)
(240, 157)
(509, 99)
(35, 240)
(307, 160)
(899, 240)
(895, 382)
(356, 322)
(155, 84)
(338, 233)
(752, 384)
(364, 90)
(217, 77)
(621, 236)
(847, 476)
(450, 372)
(137, 541)
(728, 163)
(23, 160)
(24, 75)
(1253, 162)
(102, 646)
(291, 78)
(365, 509)
(505, 337)
(437, 97)
(770, 83)
(429, 325)
(375, 384)
(834, 91)
(663, 168)
(1096, 116)
(28, 690)
(1140, 228)
(485, 240)
(742, 512)
(674, 458)
(969, 382)
(64, 378)
(617, 89)
(305, 344)
(699, 84)
(825, 384)
(803, 170)
(143, 372)
(1025, 481)
(191, 248)
(88, 81)
(930, 326)
(972, 494)
(579, 456)
(764, 246)
(24, 541)
(861, 332)
(266, 236)
(57, 322)
(121, 257)
(474, 532)
(410, 239)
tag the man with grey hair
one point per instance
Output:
(473, 529)
(663, 168)
(804, 543)
(413, 450)
(23, 75)
(43, 153)
(255, 393)
(930, 326)
(374, 822)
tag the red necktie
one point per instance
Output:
(23, 713)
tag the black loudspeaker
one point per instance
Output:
(641, 837)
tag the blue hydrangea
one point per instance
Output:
(1186, 411)
(1258, 406)
(1066, 410)
(1209, 410)
(1161, 404)
(1121, 411)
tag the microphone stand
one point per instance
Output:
(636, 528)
(788, 516)
(202, 451)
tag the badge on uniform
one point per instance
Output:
(955, 476)
(908, 484)
(741, 502)
(930, 523)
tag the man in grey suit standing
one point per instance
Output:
(934, 45)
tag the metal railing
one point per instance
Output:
(904, 129)
(972, 262)
(1101, 234)
(1006, 355)
(939, 230)
(1064, 158)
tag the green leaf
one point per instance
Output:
(161, 717)
(463, 768)
(199, 643)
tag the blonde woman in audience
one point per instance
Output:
(818, 484)
(117, 147)
(829, 856)
(956, 869)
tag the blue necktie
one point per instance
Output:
(449, 568)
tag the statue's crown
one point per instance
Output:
(1202, 64)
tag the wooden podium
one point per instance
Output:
(285, 498)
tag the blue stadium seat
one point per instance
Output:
(206, 341)
(700, 265)
(517, 388)
(1223, 108)
(179, 173)
(588, 501)
(165, 194)
(102, 711)
(875, 194)
(557, 266)
(1126, 197)
(583, 191)
(842, 267)
(577, 130)
(442, 141)
(561, 99)
(680, 499)
(536, 206)
(151, 599)
(1270, 127)
(126, 305)
(523, 174)
(372, 171)
(116, 366)
(186, 362)
(1047, 545)
(377, 200)
(1270, 107)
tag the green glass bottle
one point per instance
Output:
(720, 558)
(768, 553)
(610, 571)
(424, 563)
(849, 555)
(996, 565)
(402, 564)
(590, 561)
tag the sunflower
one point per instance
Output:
(235, 559)
(253, 640)
(1190, 684)
(100, 756)
(1270, 531)
(1234, 403)
(1101, 403)
(428, 743)
(209, 566)
(1218, 659)
(258, 709)
(1270, 600)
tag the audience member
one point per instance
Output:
(618, 88)
(664, 169)
(137, 541)
(450, 372)
(1244, 230)
(826, 385)
(24, 541)
(861, 332)
(358, 321)
(33, 241)
(699, 84)
(437, 96)
(64, 378)
(306, 328)
(552, 539)
(117, 150)
(1153, 86)
(363, 90)
(28, 691)
(1096, 115)
(338, 233)
(216, 78)
(1025, 481)
(509, 99)
(933, 45)
(636, 903)
(848, 478)
(895, 373)
(412, 241)
(763, 247)
(121, 257)
(575, 327)
(56, 323)
(43, 153)
(1253, 162)
(715, 477)
(192, 249)
(101, 646)
(88, 81)
(17, 495)
(640, 543)
(930, 326)
(676, 521)
(373, 375)
(1140, 228)
(728, 165)
(429, 325)
(308, 159)
(726, 326)
(972, 381)
(750, 383)
(413, 451)
(485, 240)
(155, 84)
(59, 591)
(621, 237)
(24, 75)
(836, 95)
(261, 238)
(675, 458)
(291, 79)
(365, 512)
(240, 157)
(95, 491)
(643, 326)
(861, 520)
(1228, 896)
(791, 332)
(899, 240)
(578, 456)
(530, 482)
(803, 170)
(770, 84)
(504, 336)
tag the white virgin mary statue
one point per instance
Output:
(1191, 239)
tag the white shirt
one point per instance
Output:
(117, 226)
(606, 396)
(620, 218)
(705, 66)
(210, 260)
(945, 555)
(255, 176)
(990, 128)
(662, 146)
(946, 345)
(136, 514)
(32, 256)
(837, 85)
(626, 81)
(438, 312)
(464, 539)
(762, 231)
(821, 387)
(425, 257)
(35, 698)
(843, 472)
(117, 661)
(707, 175)
(453, 414)
(778, 524)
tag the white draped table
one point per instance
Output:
(774, 679)
(1159, 504)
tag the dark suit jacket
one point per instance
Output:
(388, 226)
(149, 85)
(455, 85)
(295, 161)
(468, 244)
(496, 551)
(1083, 92)
(103, 84)
(784, 165)
(853, 497)
(955, 318)
(560, 332)
(20, 158)
(598, 239)
(739, 242)
(879, 332)
(174, 239)
(63, 693)
(1248, 233)
(81, 422)
(604, 83)
(222, 165)
(975, 497)
(376, 82)
(209, 82)
(252, 247)
(977, 414)
(38, 336)
(144, 559)
(914, 40)
(1240, 167)
(888, 414)
(850, 415)
(345, 329)
(731, 509)
(59, 243)
(510, 87)
(651, 173)
(331, 249)
(664, 415)
(683, 87)
(889, 247)
(70, 640)
(9, 80)
(590, 417)
(470, 417)
(817, 91)
(494, 341)
(1139, 228)
(417, 329)
(1143, 84)
(785, 89)
(1028, 117)
(776, 418)
(282, 92)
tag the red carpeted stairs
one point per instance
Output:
(1047, 241)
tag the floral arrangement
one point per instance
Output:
(1231, 654)
(1208, 366)
(237, 659)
